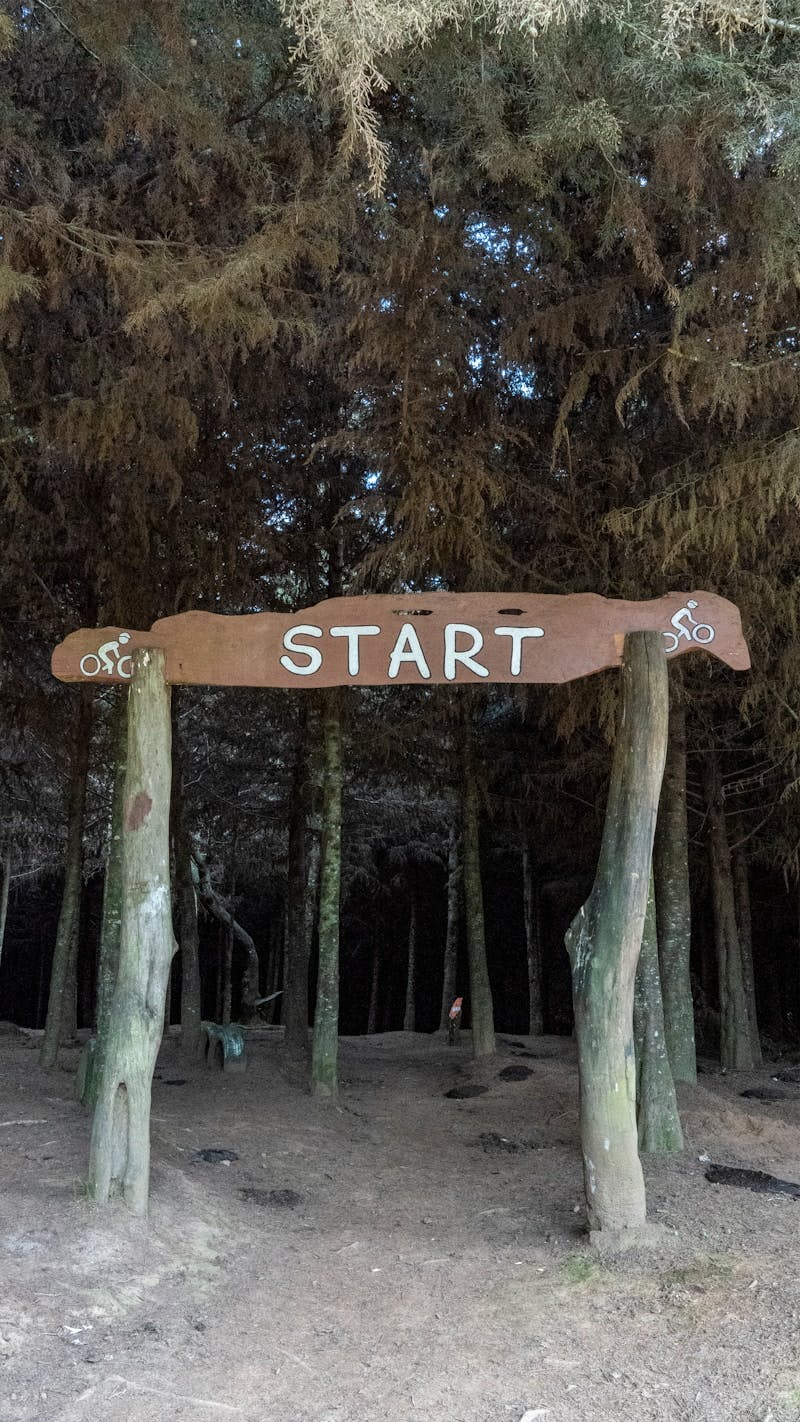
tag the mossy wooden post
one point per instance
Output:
(481, 1008)
(111, 919)
(604, 939)
(60, 1012)
(119, 1157)
(660, 1130)
(673, 900)
(324, 1071)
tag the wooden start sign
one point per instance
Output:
(409, 639)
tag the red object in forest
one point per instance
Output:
(455, 1010)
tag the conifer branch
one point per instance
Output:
(65, 27)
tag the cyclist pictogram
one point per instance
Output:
(700, 632)
(108, 659)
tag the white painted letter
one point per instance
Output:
(407, 649)
(352, 634)
(517, 635)
(313, 653)
(451, 655)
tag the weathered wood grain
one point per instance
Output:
(413, 639)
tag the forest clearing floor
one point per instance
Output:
(398, 1255)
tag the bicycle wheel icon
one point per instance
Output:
(707, 631)
(90, 664)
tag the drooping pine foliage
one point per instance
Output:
(468, 312)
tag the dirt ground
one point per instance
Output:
(400, 1255)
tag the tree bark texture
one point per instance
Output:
(324, 1070)
(119, 1158)
(455, 898)
(744, 923)
(410, 1015)
(604, 939)
(111, 918)
(186, 881)
(531, 900)
(673, 896)
(61, 1000)
(659, 1123)
(480, 992)
(295, 997)
(735, 1048)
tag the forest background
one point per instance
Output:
(448, 309)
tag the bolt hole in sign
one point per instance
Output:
(444, 639)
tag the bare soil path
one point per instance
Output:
(402, 1255)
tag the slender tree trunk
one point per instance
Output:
(324, 1073)
(531, 894)
(374, 989)
(736, 1050)
(61, 1002)
(274, 967)
(410, 1014)
(5, 885)
(604, 939)
(659, 1123)
(673, 900)
(455, 888)
(480, 992)
(119, 1158)
(295, 997)
(744, 921)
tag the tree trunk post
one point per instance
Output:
(324, 1073)
(604, 939)
(480, 992)
(119, 1157)
(660, 1130)
(736, 1048)
(673, 898)
(455, 888)
(531, 897)
(62, 977)
(111, 918)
